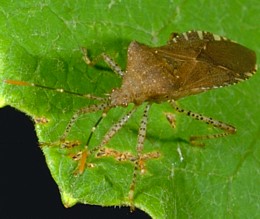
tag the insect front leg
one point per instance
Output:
(81, 156)
(228, 129)
(93, 108)
(108, 60)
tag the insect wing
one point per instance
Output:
(206, 61)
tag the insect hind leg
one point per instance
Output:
(228, 129)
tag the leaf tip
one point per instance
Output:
(67, 200)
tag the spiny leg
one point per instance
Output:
(109, 61)
(228, 129)
(70, 144)
(139, 162)
(82, 156)
(112, 131)
(141, 136)
(93, 108)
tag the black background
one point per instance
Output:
(27, 189)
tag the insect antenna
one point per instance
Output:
(60, 90)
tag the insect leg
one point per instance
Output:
(108, 60)
(112, 131)
(82, 155)
(228, 129)
(93, 108)
(139, 162)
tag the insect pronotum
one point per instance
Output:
(190, 63)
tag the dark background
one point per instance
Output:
(27, 189)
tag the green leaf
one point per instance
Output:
(40, 43)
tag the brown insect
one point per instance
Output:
(190, 63)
